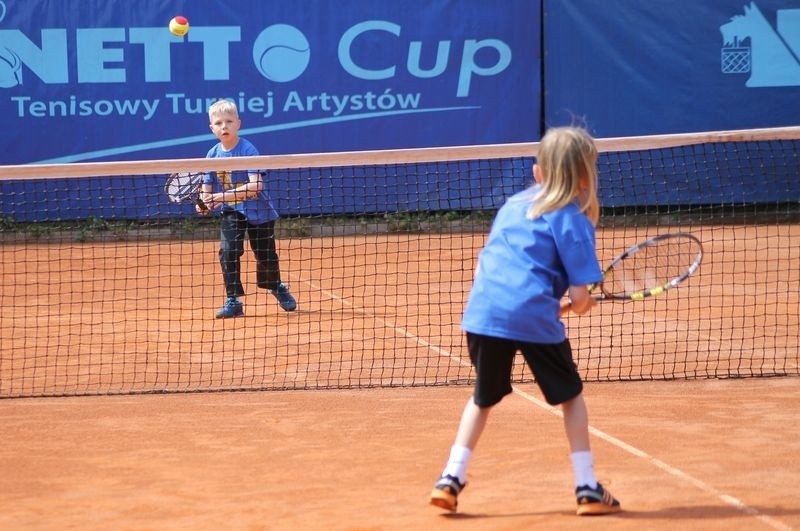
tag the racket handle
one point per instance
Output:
(201, 205)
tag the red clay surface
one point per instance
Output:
(89, 319)
(687, 455)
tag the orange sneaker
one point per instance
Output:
(445, 493)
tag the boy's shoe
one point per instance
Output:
(445, 493)
(232, 308)
(285, 298)
(595, 501)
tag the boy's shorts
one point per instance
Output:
(553, 368)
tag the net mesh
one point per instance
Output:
(109, 288)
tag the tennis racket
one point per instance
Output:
(185, 186)
(650, 268)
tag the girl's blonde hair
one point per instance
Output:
(567, 159)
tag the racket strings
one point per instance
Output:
(183, 185)
(661, 265)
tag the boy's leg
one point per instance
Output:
(231, 248)
(262, 242)
(268, 273)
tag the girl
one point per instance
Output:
(541, 246)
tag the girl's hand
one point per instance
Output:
(580, 301)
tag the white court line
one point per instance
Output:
(391, 326)
(705, 487)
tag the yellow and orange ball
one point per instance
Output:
(179, 26)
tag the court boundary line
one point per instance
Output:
(725, 498)
(671, 470)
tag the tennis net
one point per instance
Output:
(108, 288)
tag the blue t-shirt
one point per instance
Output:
(525, 269)
(256, 209)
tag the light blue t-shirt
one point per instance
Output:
(256, 209)
(525, 269)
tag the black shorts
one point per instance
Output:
(553, 368)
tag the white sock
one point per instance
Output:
(583, 468)
(458, 462)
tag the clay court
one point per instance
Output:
(363, 387)
(696, 455)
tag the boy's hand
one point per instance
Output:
(208, 202)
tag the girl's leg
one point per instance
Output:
(576, 425)
(470, 428)
(492, 359)
(473, 421)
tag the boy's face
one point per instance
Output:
(225, 126)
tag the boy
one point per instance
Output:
(244, 207)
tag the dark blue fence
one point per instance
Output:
(90, 80)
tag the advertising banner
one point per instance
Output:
(631, 68)
(96, 80)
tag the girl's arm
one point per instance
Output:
(580, 301)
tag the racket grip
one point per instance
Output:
(201, 205)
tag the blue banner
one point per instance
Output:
(105, 80)
(101, 80)
(638, 68)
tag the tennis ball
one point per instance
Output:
(179, 26)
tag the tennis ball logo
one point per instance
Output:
(10, 63)
(281, 53)
(10, 69)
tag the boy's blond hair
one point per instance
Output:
(223, 107)
(568, 161)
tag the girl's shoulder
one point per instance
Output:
(571, 209)
(528, 194)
